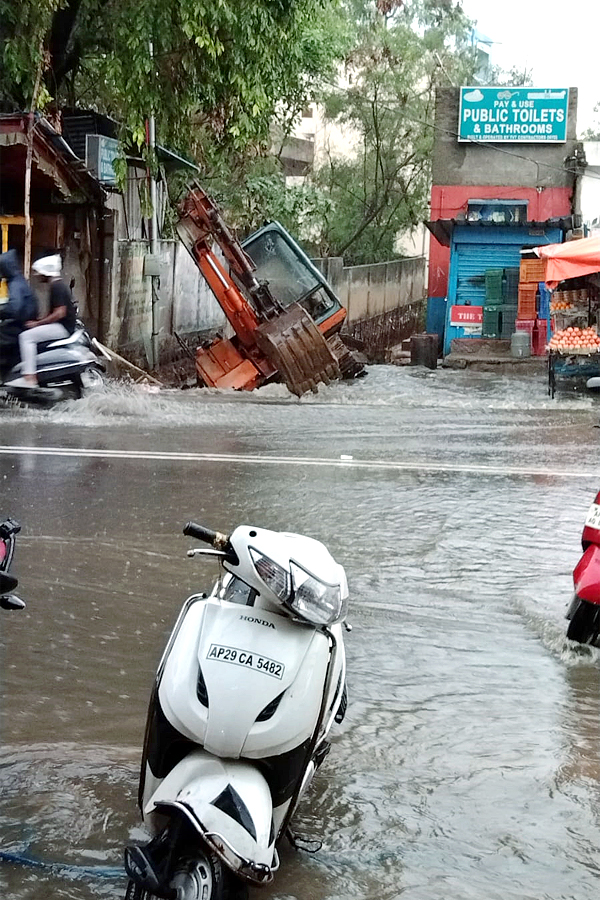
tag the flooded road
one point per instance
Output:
(468, 766)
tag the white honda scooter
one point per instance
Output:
(248, 688)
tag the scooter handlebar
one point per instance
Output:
(201, 533)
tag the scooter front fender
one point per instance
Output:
(586, 576)
(229, 803)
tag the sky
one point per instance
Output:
(558, 41)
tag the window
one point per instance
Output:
(501, 212)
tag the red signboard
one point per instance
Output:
(466, 315)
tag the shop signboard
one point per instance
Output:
(469, 318)
(513, 114)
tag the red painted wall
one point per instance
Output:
(450, 202)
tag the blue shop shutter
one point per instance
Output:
(499, 249)
(472, 262)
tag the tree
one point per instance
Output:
(401, 52)
(592, 133)
(216, 70)
(516, 76)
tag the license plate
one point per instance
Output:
(247, 659)
(593, 516)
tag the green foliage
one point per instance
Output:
(24, 28)
(253, 190)
(593, 132)
(399, 56)
(299, 208)
(219, 67)
(356, 203)
(222, 72)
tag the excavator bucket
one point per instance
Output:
(295, 346)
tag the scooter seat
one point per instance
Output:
(62, 342)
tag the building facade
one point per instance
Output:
(503, 184)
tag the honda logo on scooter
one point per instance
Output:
(258, 621)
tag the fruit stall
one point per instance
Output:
(573, 353)
(571, 289)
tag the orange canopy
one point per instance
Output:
(570, 260)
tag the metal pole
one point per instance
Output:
(153, 228)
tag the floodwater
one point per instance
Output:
(468, 767)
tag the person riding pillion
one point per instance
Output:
(60, 321)
(21, 305)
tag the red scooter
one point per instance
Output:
(8, 532)
(584, 609)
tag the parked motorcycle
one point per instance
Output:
(66, 368)
(584, 610)
(248, 688)
(9, 528)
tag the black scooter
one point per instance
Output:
(8, 531)
(65, 370)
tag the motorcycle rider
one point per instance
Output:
(20, 308)
(59, 323)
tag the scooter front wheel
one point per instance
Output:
(583, 624)
(93, 379)
(202, 878)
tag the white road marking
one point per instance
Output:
(254, 459)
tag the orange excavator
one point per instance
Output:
(285, 317)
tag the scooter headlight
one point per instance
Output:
(274, 576)
(314, 600)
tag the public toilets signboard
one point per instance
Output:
(513, 114)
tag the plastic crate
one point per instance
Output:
(527, 307)
(509, 317)
(540, 337)
(492, 321)
(493, 285)
(533, 270)
(525, 325)
(511, 285)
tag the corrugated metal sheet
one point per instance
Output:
(472, 262)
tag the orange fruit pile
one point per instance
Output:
(585, 339)
(557, 305)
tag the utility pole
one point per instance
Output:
(153, 228)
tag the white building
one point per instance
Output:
(590, 188)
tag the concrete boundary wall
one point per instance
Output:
(371, 290)
(383, 300)
(386, 302)
(185, 303)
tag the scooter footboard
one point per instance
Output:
(229, 803)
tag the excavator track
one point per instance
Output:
(350, 364)
(295, 346)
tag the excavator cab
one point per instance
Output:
(291, 276)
